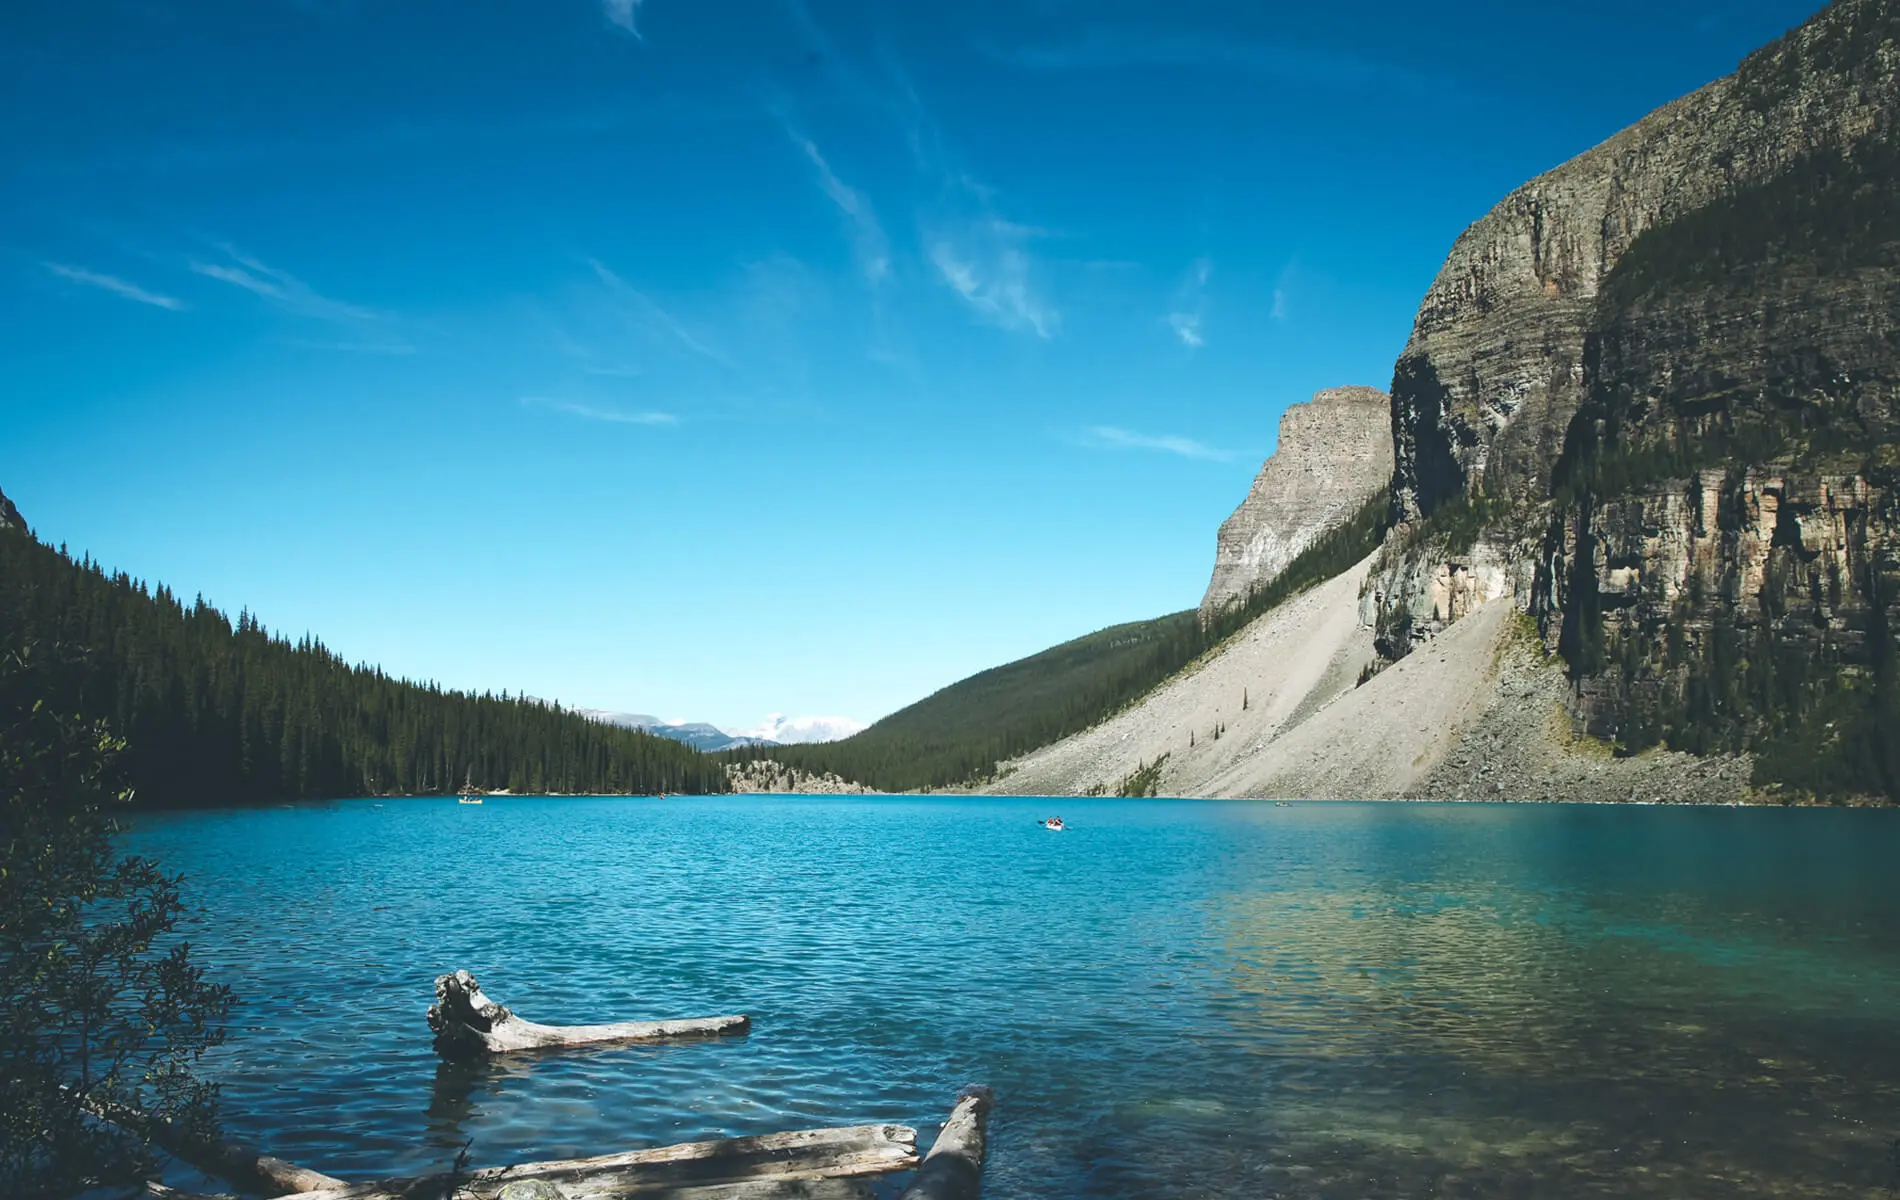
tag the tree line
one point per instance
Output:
(216, 712)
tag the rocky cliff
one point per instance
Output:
(1722, 563)
(1494, 370)
(1654, 397)
(1334, 454)
(9, 516)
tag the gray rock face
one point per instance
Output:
(1667, 378)
(1494, 369)
(9, 515)
(1335, 453)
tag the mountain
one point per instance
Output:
(1653, 398)
(1495, 369)
(1645, 490)
(1334, 454)
(698, 734)
(962, 733)
(776, 730)
(10, 516)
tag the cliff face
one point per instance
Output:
(9, 515)
(1655, 397)
(1494, 369)
(1722, 563)
(1334, 454)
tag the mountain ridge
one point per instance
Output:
(1492, 371)
(1334, 451)
(1653, 397)
(1650, 407)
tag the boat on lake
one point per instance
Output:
(1054, 824)
(469, 800)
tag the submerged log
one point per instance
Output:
(772, 1189)
(158, 1191)
(687, 1170)
(953, 1170)
(249, 1168)
(466, 1022)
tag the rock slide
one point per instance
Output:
(1279, 711)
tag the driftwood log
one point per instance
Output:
(953, 1170)
(247, 1167)
(776, 1166)
(467, 1023)
(158, 1191)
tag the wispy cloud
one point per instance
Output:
(622, 13)
(1282, 290)
(1110, 437)
(115, 285)
(645, 310)
(1106, 49)
(588, 412)
(1187, 327)
(997, 287)
(1190, 304)
(979, 253)
(281, 288)
(872, 248)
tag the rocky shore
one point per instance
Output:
(1521, 747)
(765, 775)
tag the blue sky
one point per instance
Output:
(714, 357)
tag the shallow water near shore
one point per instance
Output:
(1170, 999)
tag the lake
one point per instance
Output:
(1170, 999)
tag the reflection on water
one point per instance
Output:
(1174, 999)
(1467, 1040)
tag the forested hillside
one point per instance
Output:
(219, 713)
(959, 734)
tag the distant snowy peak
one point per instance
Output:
(697, 734)
(801, 731)
(624, 720)
(776, 729)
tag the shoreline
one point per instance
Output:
(1764, 801)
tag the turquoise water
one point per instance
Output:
(1172, 999)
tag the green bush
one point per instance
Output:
(99, 1005)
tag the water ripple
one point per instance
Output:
(1172, 999)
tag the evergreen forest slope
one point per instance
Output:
(960, 734)
(217, 713)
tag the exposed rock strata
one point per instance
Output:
(1730, 517)
(1334, 454)
(1654, 397)
(1494, 369)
